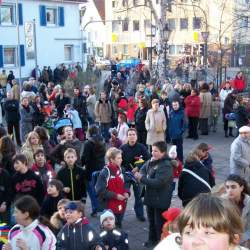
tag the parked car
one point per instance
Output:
(128, 63)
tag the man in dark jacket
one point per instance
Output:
(68, 141)
(12, 116)
(177, 127)
(77, 234)
(157, 176)
(133, 154)
(80, 104)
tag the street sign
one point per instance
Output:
(204, 35)
(29, 40)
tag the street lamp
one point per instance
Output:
(165, 48)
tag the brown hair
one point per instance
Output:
(207, 210)
(70, 151)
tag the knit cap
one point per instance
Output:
(105, 215)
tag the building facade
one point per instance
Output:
(48, 32)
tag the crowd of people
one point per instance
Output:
(57, 150)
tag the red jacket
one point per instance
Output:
(193, 106)
(239, 83)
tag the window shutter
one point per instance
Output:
(1, 56)
(20, 13)
(42, 11)
(22, 55)
(61, 16)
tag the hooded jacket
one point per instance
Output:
(78, 236)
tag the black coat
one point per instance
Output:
(157, 176)
(78, 236)
(189, 187)
(6, 193)
(11, 109)
(80, 104)
(73, 178)
(242, 116)
(140, 117)
(115, 238)
(49, 206)
(93, 156)
(228, 104)
(60, 104)
(38, 116)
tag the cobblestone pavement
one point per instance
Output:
(220, 152)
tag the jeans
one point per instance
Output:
(138, 206)
(105, 131)
(92, 196)
(156, 222)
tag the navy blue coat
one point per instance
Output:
(176, 124)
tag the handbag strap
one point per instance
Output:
(196, 177)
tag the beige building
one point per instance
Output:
(221, 24)
(130, 33)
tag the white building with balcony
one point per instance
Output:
(48, 33)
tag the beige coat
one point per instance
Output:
(206, 103)
(103, 112)
(155, 125)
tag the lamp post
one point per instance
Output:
(18, 45)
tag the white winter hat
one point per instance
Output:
(244, 129)
(105, 215)
(172, 152)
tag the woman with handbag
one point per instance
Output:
(194, 179)
(155, 123)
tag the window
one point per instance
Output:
(183, 23)
(244, 22)
(125, 24)
(171, 23)
(7, 14)
(115, 26)
(179, 49)
(125, 49)
(124, 3)
(68, 52)
(51, 16)
(196, 23)
(171, 49)
(114, 4)
(114, 49)
(9, 56)
(136, 25)
(135, 2)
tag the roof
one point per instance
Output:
(100, 6)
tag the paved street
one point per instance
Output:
(221, 152)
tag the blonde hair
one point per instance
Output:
(207, 210)
(30, 134)
(69, 151)
(112, 153)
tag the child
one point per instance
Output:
(122, 128)
(29, 232)
(58, 219)
(48, 124)
(132, 107)
(72, 177)
(111, 237)
(31, 145)
(114, 141)
(42, 168)
(177, 168)
(215, 112)
(73, 114)
(171, 216)
(110, 185)
(54, 190)
(25, 181)
(77, 234)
